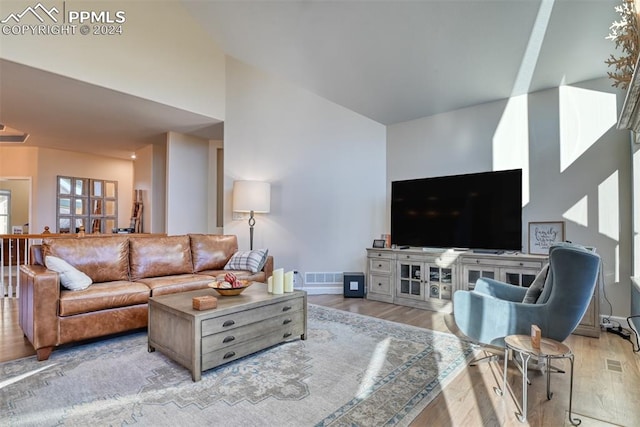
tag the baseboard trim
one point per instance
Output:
(321, 290)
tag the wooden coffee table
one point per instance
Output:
(239, 326)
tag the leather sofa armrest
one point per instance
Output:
(268, 268)
(38, 307)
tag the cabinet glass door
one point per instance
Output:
(519, 278)
(410, 280)
(440, 283)
(472, 274)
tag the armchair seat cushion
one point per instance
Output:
(102, 296)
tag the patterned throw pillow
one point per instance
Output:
(248, 260)
(534, 291)
(70, 277)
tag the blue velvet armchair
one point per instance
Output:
(495, 309)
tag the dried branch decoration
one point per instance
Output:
(625, 34)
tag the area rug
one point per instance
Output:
(352, 370)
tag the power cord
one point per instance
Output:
(609, 325)
(636, 347)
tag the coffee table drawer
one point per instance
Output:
(249, 332)
(233, 352)
(235, 320)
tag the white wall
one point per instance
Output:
(326, 166)
(578, 163)
(150, 177)
(187, 185)
(162, 54)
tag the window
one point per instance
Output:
(88, 203)
(5, 211)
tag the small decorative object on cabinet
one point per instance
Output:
(544, 234)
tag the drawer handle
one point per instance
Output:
(229, 338)
(521, 264)
(287, 321)
(379, 265)
(287, 335)
(379, 254)
(379, 284)
(286, 308)
(228, 355)
(229, 323)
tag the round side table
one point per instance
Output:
(549, 349)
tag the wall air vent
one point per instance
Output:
(9, 135)
(323, 278)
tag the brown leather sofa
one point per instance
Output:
(126, 271)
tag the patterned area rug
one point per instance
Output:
(352, 370)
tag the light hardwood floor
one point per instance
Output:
(601, 397)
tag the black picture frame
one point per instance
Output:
(379, 243)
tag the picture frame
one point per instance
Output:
(542, 235)
(379, 243)
(16, 229)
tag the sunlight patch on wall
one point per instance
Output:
(511, 141)
(585, 115)
(578, 213)
(534, 45)
(608, 207)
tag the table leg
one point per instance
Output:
(524, 357)
(549, 393)
(498, 391)
(573, 421)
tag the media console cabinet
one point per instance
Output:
(427, 278)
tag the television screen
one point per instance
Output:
(472, 211)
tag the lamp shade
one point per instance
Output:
(251, 196)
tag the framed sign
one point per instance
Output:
(379, 243)
(542, 235)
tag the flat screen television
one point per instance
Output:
(471, 211)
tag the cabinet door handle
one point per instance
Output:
(229, 323)
(521, 264)
(287, 321)
(286, 308)
(287, 335)
(379, 284)
(229, 338)
(229, 354)
(379, 265)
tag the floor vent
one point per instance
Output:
(323, 278)
(614, 365)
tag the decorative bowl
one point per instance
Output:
(230, 291)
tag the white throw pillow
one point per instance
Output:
(248, 260)
(70, 277)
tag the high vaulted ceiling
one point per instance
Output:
(396, 60)
(389, 60)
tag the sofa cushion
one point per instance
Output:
(179, 283)
(104, 258)
(211, 251)
(252, 261)
(103, 296)
(159, 256)
(70, 277)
